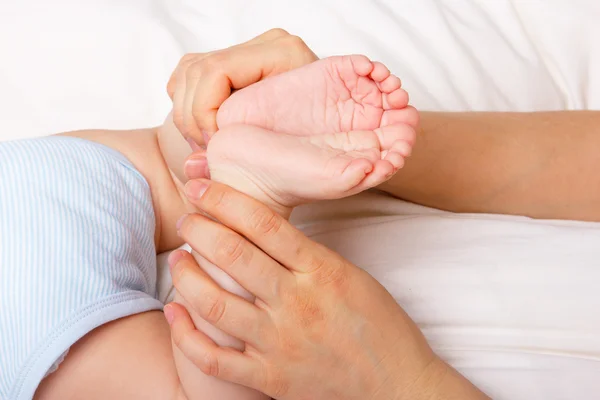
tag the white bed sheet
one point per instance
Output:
(70, 64)
(104, 64)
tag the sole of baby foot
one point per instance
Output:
(285, 171)
(335, 94)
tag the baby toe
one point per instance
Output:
(350, 177)
(361, 65)
(401, 147)
(382, 171)
(407, 115)
(380, 72)
(395, 100)
(390, 134)
(390, 84)
(396, 159)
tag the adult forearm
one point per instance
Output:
(542, 165)
(442, 382)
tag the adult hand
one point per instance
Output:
(203, 81)
(320, 328)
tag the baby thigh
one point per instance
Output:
(130, 358)
(79, 316)
(196, 384)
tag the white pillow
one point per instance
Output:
(71, 64)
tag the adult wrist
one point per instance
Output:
(439, 381)
(413, 377)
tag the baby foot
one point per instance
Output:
(336, 94)
(285, 170)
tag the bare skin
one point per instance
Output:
(277, 51)
(284, 170)
(278, 169)
(306, 295)
(540, 164)
(575, 196)
(422, 181)
(341, 94)
(448, 181)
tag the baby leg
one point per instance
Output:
(284, 171)
(78, 276)
(130, 358)
(192, 379)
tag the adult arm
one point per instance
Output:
(539, 164)
(320, 327)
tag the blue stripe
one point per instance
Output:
(76, 251)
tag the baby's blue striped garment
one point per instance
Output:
(76, 251)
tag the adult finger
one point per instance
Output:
(193, 76)
(245, 263)
(195, 165)
(182, 66)
(269, 35)
(261, 225)
(191, 70)
(221, 362)
(221, 73)
(178, 102)
(220, 308)
(190, 58)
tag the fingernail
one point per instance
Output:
(169, 313)
(195, 168)
(195, 146)
(174, 257)
(180, 221)
(194, 189)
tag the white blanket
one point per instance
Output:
(513, 303)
